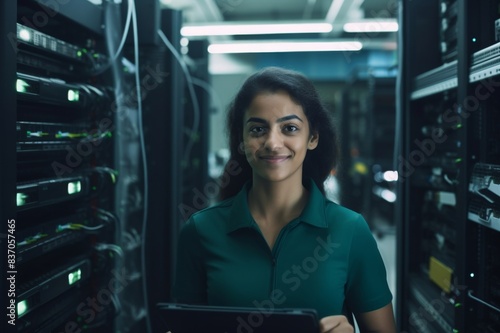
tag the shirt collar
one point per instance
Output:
(240, 216)
(313, 213)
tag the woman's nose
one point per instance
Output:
(274, 140)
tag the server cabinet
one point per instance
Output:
(65, 170)
(71, 179)
(448, 161)
(91, 176)
(367, 121)
(66, 245)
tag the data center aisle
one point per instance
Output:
(387, 247)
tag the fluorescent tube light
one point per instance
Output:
(228, 29)
(284, 46)
(372, 26)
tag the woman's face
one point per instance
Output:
(276, 137)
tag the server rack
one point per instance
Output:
(70, 144)
(353, 171)
(448, 157)
(367, 123)
(66, 247)
(92, 162)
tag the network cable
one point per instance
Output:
(196, 107)
(144, 161)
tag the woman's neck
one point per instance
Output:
(276, 202)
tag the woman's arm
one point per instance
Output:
(377, 321)
(335, 324)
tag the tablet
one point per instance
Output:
(182, 318)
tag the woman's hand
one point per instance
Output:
(335, 324)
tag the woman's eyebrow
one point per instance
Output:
(256, 120)
(279, 120)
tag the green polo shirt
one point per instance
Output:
(326, 259)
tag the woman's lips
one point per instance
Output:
(274, 159)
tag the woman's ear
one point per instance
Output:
(313, 141)
(241, 148)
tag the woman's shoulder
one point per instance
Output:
(335, 209)
(323, 212)
(211, 220)
(339, 216)
(214, 210)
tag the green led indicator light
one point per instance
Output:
(474, 39)
(21, 86)
(79, 53)
(21, 199)
(74, 187)
(74, 277)
(38, 134)
(22, 308)
(73, 95)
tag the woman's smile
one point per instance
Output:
(274, 159)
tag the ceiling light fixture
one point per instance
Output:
(233, 29)
(284, 46)
(372, 26)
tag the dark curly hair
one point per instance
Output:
(318, 162)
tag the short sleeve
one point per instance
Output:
(190, 275)
(367, 287)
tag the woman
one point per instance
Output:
(274, 240)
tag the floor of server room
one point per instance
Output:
(386, 240)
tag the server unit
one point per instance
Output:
(448, 162)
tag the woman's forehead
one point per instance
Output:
(273, 103)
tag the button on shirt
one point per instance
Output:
(326, 259)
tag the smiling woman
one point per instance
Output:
(267, 89)
(274, 238)
(275, 137)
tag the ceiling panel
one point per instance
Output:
(198, 11)
(247, 10)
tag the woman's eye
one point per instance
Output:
(257, 129)
(291, 128)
